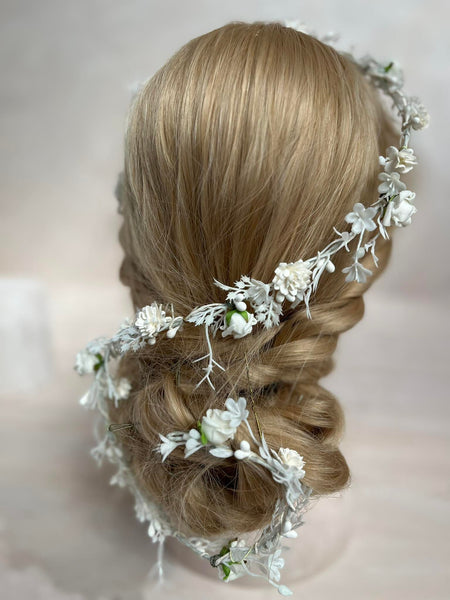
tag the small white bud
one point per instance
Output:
(279, 297)
(245, 446)
(240, 306)
(239, 298)
(287, 526)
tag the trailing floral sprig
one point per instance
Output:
(214, 433)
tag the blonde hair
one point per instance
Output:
(244, 150)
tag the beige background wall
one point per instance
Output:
(66, 68)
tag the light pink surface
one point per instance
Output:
(64, 533)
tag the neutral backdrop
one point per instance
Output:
(66, 73)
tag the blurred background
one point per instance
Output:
(67, 69)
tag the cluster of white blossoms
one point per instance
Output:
(214, 433)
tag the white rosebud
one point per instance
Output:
(216, 428)
(238, 325)
(400, 210)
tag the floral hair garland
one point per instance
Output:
(294, 283)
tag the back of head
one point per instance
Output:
(245, 150)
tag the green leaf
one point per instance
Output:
(389, 67)
(203, 437)
(230, 313)
(226, 570)
(100, 363)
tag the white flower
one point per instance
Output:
(356, 272)
(193, 442)
(236, 570)
(217, 428)
(236, 411)
(155, 529)
(415, 114)
(123, 388)
(361, 218)
(291, 280)
(291, 458)
(239, 324)
(400, 210)
(402, 160)
(275, 565)
(166, 446)
(86, 361)
(391, 184)
(287, 530)
(150, 320)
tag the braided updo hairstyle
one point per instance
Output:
(244, 150)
